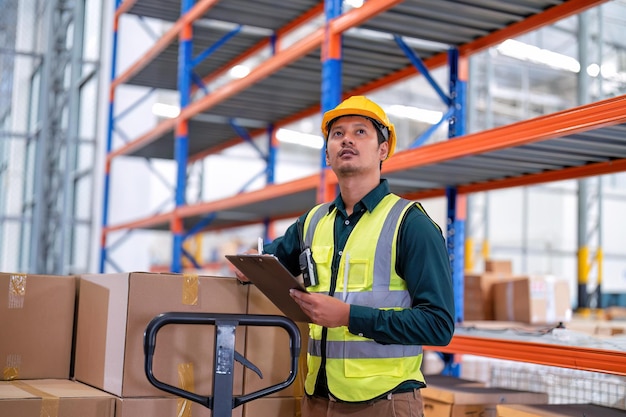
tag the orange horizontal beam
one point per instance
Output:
(587, 359)
(193, 14)
(163, 127)
(145, 223)
(603, 113)
(421, 195)
(215, 228)
(572, 173)
(601, 168)
(267, 193)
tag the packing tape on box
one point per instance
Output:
(17, 290)
(190, 289)
(49, 402)
(185, 382)
(11, 370)
(510, 301)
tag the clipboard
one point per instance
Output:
(273, 280)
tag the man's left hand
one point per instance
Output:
(323, 309)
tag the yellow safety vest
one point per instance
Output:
(358, 368)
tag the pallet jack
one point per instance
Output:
(222, 401)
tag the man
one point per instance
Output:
(383, 281)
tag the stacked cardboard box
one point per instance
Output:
(113, 313)
(105, 377)
(540, 299)
(478, 289)
(559, 410)
(466, 400)
(36, 329)
(36, 326)
(52, 398)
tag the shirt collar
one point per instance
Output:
(370, 201)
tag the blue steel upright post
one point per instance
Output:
(331, 78)
(181, 140)
(456, 203)
(109, 144)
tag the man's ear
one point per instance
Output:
(326, 153)
(383, 149)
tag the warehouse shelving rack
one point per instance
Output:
(584, 141)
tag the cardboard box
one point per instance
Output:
(273, 407)
(478, 297)
(36, 326)
(268, 349)
(164, 407)
(540, 299)
(53, 397)
(499, 266)
(461, 401)
(114, 311)
(558, 410)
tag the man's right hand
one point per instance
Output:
(240, 276)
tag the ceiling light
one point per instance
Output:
(354, 3)
(593, 70)
(299, 138)
(239, 71)
(415, 113)
(165, 110)
(526, 52)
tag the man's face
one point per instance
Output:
(352, 146)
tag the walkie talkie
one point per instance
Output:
(307, 264)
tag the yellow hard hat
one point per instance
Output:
(362, 106)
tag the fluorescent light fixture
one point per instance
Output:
(355, 3)
(165, 110)
(526, 52)
(299, 138)
(415, 113)
(239, 71)
(593, 70)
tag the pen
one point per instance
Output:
(346, 267)
(260, 245)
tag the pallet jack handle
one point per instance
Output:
(222, 401)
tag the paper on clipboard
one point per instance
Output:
(272, 279)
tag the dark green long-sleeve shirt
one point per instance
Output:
(422, 261)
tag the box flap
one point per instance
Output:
(482, 395)
(558, 410)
